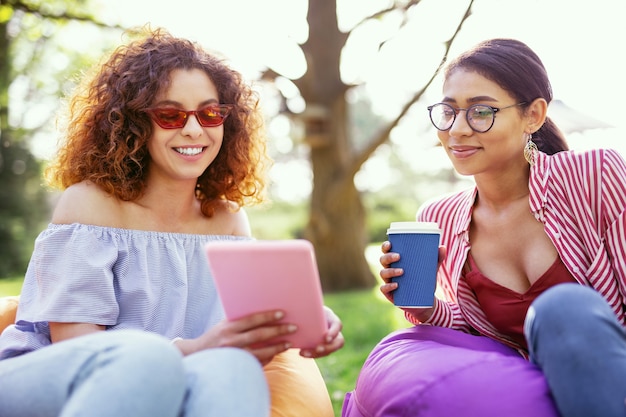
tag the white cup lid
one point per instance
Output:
(413, 227)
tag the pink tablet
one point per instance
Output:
(258, 275)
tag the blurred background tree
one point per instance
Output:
(337, 134)
(35, 69)
(337, 148)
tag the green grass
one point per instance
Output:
(367, 317)
(10, 286)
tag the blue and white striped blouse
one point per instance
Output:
(120, 278)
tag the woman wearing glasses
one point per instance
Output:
(532, 306)
(164, 146)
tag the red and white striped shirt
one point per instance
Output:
(580, 197)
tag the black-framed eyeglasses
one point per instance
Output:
(480, 117)
(173, 118)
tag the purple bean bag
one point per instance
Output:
(430, 371)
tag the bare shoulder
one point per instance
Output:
(229, 219)
(86, 203)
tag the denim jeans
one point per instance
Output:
(131, 373)
(575, 338)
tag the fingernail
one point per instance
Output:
(319, 349)
(278, 315)
(292, 328)
(307, 354)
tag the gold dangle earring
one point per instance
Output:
(530, 150)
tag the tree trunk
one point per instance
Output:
(336, 224)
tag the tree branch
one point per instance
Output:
(62, 16)
(382, 135)
(394, 7)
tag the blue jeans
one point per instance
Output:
(131, 373)
(576, 340)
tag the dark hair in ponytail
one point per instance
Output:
(518, 70)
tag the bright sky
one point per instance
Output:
(580, 43)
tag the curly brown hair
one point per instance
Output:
(107, 129)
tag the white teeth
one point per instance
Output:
(188, 151)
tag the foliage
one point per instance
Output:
(277, 220)
(382, 211)
(11, 286)
(22, 205)
(285, 220)
(36, 68)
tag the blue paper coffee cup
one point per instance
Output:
(418, 246)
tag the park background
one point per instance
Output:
(388, 52)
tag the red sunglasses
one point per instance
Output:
(171, 118)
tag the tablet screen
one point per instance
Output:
(259, 275)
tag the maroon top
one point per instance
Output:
(505, 308)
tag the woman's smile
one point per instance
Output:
(190, 150)
(462, 152)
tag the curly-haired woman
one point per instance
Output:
(164, 146)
